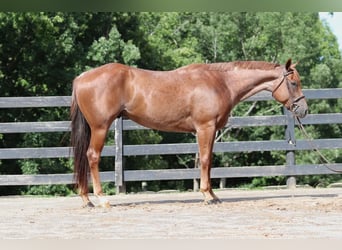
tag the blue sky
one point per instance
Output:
(335, 23)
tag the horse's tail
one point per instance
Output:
(80, 139)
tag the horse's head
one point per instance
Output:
(288, 91)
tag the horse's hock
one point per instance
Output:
(283, 214)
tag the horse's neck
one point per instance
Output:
(247, 83)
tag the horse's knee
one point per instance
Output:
(205, 161)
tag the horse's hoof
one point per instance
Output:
(212, 202)
(105, 204)
(89, 204)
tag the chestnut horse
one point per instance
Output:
(196, 98)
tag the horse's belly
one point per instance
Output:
(165, 123)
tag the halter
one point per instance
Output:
(291, 106)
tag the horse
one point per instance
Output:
(197, 98)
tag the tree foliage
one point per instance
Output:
(41, 53)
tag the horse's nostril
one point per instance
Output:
(303, 114)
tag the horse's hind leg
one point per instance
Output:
(98, 136)
(205, 139)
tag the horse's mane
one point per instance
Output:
(242, 65)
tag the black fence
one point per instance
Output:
(119, 175)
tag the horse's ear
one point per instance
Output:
(288, 64)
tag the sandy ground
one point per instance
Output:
(301, 213)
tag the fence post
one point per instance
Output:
(290, 137)
(119, 167)
(196, 183)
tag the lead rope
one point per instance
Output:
(315, 148)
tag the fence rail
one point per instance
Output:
(120, 176)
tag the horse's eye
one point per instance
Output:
(294, 84)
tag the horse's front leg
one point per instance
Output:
(205, 138)
(94, 154)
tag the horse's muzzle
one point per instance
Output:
(300, 108)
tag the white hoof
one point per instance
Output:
(104, 202)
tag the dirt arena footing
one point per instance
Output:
(301, 213)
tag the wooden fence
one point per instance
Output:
(119, 150)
